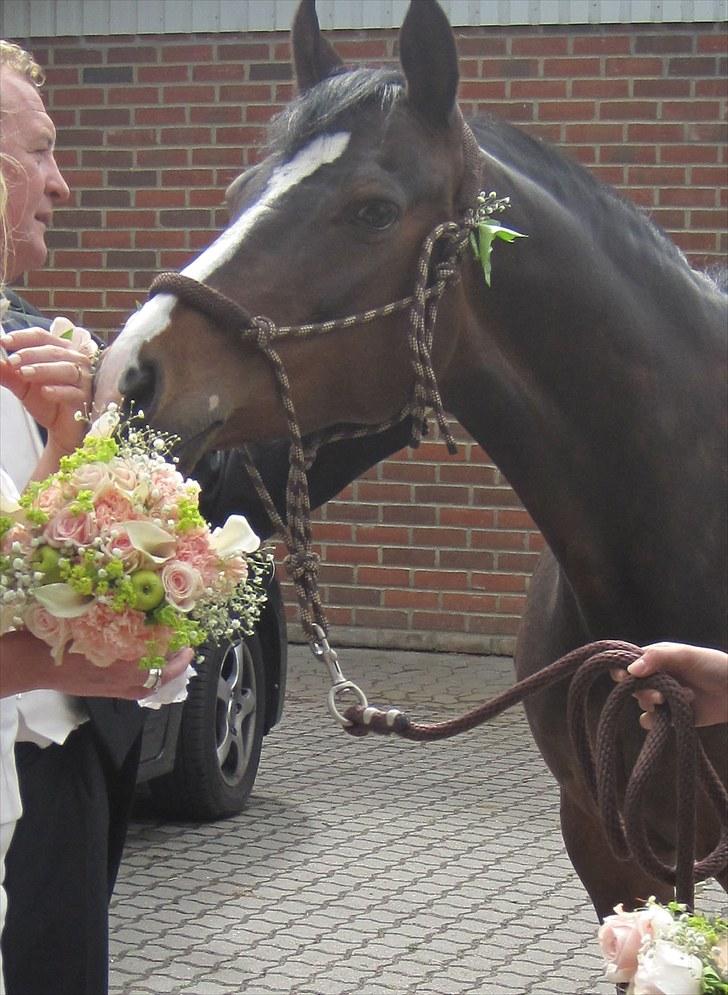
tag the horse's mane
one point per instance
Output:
(573, 185)
(319, 108)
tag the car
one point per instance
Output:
(200, 756)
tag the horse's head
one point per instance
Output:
(331, 223)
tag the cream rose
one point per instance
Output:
(182, 584)
(666, 970)
(93, 477)
(123, 475)
(622, 935)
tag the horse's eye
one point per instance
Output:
(378, 214)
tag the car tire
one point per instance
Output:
(220, 737)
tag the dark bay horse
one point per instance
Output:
(592, 370)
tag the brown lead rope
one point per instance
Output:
(601, 760)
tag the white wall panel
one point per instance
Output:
(34, 18)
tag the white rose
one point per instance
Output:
(664, 969)
(80, 338)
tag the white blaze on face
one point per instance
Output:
(152, 319)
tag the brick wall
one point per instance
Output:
(424, 550)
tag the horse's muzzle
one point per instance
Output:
(138, 384)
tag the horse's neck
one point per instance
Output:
(604, 416)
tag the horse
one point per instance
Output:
(592, 367)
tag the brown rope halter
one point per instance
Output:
(623, 820)
(432, 280)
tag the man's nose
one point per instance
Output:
(56, 186)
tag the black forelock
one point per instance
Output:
(315, 111)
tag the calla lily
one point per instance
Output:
(106, 424)
(9, 507)
(235, 537)
(62, 600)
(157, 545)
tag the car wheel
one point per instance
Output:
(220, 737)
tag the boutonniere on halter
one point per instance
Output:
(486, 229)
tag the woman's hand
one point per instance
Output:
(53, 377)
(26, 665)
(703, 671)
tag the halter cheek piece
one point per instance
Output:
(432, 279)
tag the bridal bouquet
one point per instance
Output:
(110, 557)
(666, 950)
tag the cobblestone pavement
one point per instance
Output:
(372, 866)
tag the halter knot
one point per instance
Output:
(264, 331)
(301, 564)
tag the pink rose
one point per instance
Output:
(182, 584)
(621, 937)
(50, 499)
(67, 527)
(51, 630)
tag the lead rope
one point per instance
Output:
(600, 760)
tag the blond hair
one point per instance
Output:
(17, 60)
(14, 57)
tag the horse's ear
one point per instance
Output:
(430, 61)
(313, 57)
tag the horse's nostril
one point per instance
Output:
(138, 384)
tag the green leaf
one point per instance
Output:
(67, 335)
(482, 242)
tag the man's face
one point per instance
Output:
(34, 182)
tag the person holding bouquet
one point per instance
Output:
(77, 725)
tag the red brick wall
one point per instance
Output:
(424, 550)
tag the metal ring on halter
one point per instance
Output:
(154, 680)
(335, 691)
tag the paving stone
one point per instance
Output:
(368, 867)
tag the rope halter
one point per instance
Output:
(432, 279)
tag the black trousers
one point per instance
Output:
(62, 865)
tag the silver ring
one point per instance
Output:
(154, 680)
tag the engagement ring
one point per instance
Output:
(154, 680)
